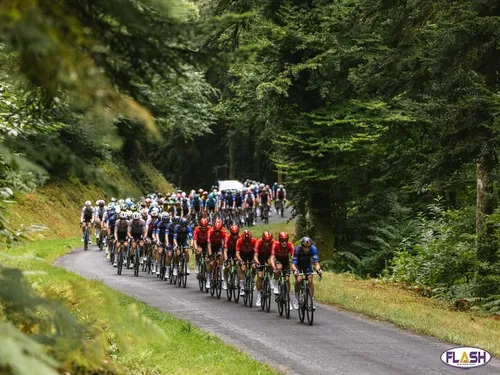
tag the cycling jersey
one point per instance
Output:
(303, 261)
(170, 232)
(88, 213)
(136, 228)
(182, 235)
(151, 224)
(196, 203)
(263, 249)
(249, 199)
(280, 252)
(280, 194)
(245, 249)
(200, 236)
(264, 197)
(211, 202)
(229, 200)
(100, 212)
(160, 230)
(238, 201)
(111, 218)
(121, 228)
(185, 206)
(216, 239)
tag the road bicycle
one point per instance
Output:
(283, 297)
(147, 264)
(265, 292)
(111, 249)
(280, 207)
(119, 262)
(163, 264)
(249, 283)
(182, 270)
(86, 235)
(264, 213)
(306, 300)
(233, 284)
(137, 258)
(202, 275)
(216, 284)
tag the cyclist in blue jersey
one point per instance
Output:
(169, 235)
(183, 239)
(305, 256)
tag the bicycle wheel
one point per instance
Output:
(101, 241)
(268, 295)
(250, 296)
(112, 253)
(120, 262)
(286, 300)
(302, 314)
(263, 296)
(213, 283)
(237, 287)
(184, 275)
(247, 290)
(200, 275)
(136, 261)
(128, 257)
(162, 266)
(171, 273)
(230, 287)
(280, 297)
(309, 306)
(86, 239)
(218, 286)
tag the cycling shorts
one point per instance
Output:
(246, 257)
(307, 269)
(285, 262)
(263, 258)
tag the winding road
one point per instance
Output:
(339, 342)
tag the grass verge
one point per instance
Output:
(138, 338)
(408, 310)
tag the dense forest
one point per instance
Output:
(381, 116)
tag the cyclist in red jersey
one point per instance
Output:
(200, 238)
(229, 251)
(262, 256)
(280, 259)
(245, 247)
(216, 238)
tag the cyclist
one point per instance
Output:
(211, 203)
(196, 205)
(280, 196)
(238, 205)
(185, 206)
(87, 218)
(248, 202)
(245, 247)
(229, 251)
(121, 230)
(280, 259)
(215, 240)
(262, 256)
(149, 231)
(170, 242)
(135, 234)
(159, 237)
(183, 239)
(201, 242)
(303, 255)
(100, 211)
(264, 200)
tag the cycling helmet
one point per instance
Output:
(267, 236)
(133, 208)
(184, 222)
(205, 193)
(111, 205)
(249, 191)
(267, 186)
(117, 209)
(148, 201)
(136, 216)
(218, 225)
(275, 184)
(154, 212)
(183, 194)
(165, 217)
(238, 193)
(306, 241)
(128, 201)
(160, 201)
(154, 204)
(200, 191)
(203, 223)
(247, 235)
(281, 186)
(211, 195)
(283, 236)
(190, 196)
(113, 199)
(121, 201)
(159, 195)
(124, 207)
(100, 203)
(195, 196)
(234, 229)
(88, 203)
(123, 215)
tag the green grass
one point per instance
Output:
(274, 228)
(138, 338)
(408, 310)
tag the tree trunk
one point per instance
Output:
(486, 248)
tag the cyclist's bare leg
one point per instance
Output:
(311, 284)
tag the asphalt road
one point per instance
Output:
(338, 343)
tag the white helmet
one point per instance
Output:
(136, 216)
(154, 212)
(154, 204)
(117, 209)
(128, 200)
(88, 203)
(183, 194)
(281, 186)
(123, 215)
